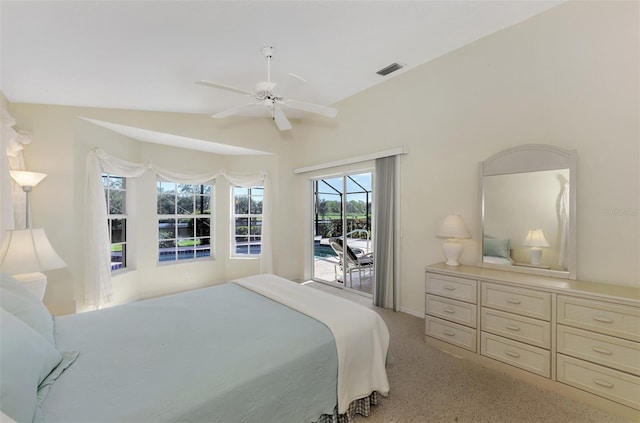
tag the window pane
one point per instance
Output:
(116, 202)
(167, 250)
(185, 228)
(203, 227)
(256, 205)
(118, 230)
(166, 187)
(166, 228)
(242, 226)
(116, 182)
(118, 256)
(256, 226)
(166, 204)
(184, 189)
(240, 191)
(242, 204)
(257, 191)
(203, 204)
(185, 204)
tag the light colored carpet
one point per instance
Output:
(427, 385)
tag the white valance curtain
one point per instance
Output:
(12, 211)
(98, 287)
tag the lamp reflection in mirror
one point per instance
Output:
(453, 228)
(536, 240)
(27, 252)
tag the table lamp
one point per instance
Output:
(453, 228)
(536, 240)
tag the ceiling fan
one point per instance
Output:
(266, 95)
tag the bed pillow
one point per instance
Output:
(497, 247)
(19, 301)
(26, 359)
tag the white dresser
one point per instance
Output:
(577, 338)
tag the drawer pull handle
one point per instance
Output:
(602, 350)
(602, 319)
(448, 310)
(450, 288)
(513, 301)
(603, 383)
(512, 354)
(449, 333)
(513, 327)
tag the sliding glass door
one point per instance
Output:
(343, 231)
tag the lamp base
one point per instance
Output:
(536, 255)
(452, 251)
(35, 282)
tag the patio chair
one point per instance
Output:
(354, 259)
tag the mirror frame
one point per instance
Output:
(531, 158)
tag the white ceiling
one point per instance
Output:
(146, 55)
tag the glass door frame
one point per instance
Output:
(369, 215)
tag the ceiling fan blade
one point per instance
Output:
(281, 120)
(312, 108)
(290, 84)
(224, 87)
(233, 110)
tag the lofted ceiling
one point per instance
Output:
(146, 55)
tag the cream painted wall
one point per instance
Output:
(567, 77)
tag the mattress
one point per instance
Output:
(218, 354)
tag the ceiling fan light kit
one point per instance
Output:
(267, 96)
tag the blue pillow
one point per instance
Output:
(19, 301)
(26, 359)
(497, 247)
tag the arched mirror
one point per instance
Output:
(528, 211)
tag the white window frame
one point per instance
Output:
(233, 232)
(176, 217)
(111, 217)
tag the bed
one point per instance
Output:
(257, 349)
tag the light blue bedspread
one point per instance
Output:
(219, 354)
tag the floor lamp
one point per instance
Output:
(25, 253)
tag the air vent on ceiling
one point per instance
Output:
(391, 68)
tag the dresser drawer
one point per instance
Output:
(608, 383)
(600, 316)
(521, 301)
(601, 349)
(453, 333)
(524, 329)
(448, 309)
(452, 287)
(526, 357)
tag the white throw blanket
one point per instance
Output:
(361, 336)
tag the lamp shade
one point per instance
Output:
(25, 178)
(535, 238)
(28, 250)
(453, 227)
